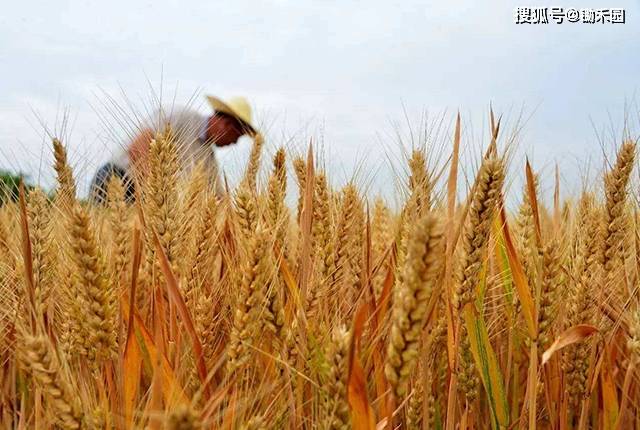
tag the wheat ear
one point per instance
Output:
(411, 302)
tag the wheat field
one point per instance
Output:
(186, 310)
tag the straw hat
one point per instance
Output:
(237, 107)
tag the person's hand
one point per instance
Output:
(139, 148)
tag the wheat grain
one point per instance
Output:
(38, 358)
(412, 295)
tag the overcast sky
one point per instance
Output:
(339, 71)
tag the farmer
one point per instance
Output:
(196, 137)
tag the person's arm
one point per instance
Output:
(138, 149)
(137, 153)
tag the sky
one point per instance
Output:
(352, 76)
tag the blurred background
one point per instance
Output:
(360, 78)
